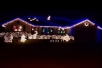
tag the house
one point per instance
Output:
(17, 25)
(83, 30)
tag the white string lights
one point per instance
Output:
(4, 25)
(29, 18)
(48, 18)
(86, 24)
(35, 36)
(99, 27)
(83, 22)
(23, 38)
(33, 19)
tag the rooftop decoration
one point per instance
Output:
(48, 18)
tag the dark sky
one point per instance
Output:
(94, 15)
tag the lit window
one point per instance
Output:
(63, 31)
(58, 31)
(17, 28)
(43, 30)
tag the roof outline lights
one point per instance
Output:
(55, 23)
(88, 21)
(79, 22)
(18, 18)
(82, 22)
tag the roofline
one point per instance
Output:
(53, 26)
(99, 27)
(18, 18)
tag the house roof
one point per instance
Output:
(55, 21)
(11, 21)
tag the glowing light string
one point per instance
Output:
(23, 39)
(86, 24)
(67, 27)
(99, 27)
(83, 22)
(49, 18)
(16, 20)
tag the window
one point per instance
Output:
(17, 28)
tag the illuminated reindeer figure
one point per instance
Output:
(23, 38)
(30, 36)
(35, 35)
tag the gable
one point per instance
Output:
(17, 19)
(66, 25)
(85, 22)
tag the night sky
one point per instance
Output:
(28, 57)
(94, 15)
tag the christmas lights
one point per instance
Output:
(23, 38)
(37, 20)
(33, 19)
(86, 24)
(8, 39)
(16, 20)
(99, 27)
(32, 29)
(49, 18)
(34, 36)
(83, 22)
(29, 18)
(66, 27)
(66, 38)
